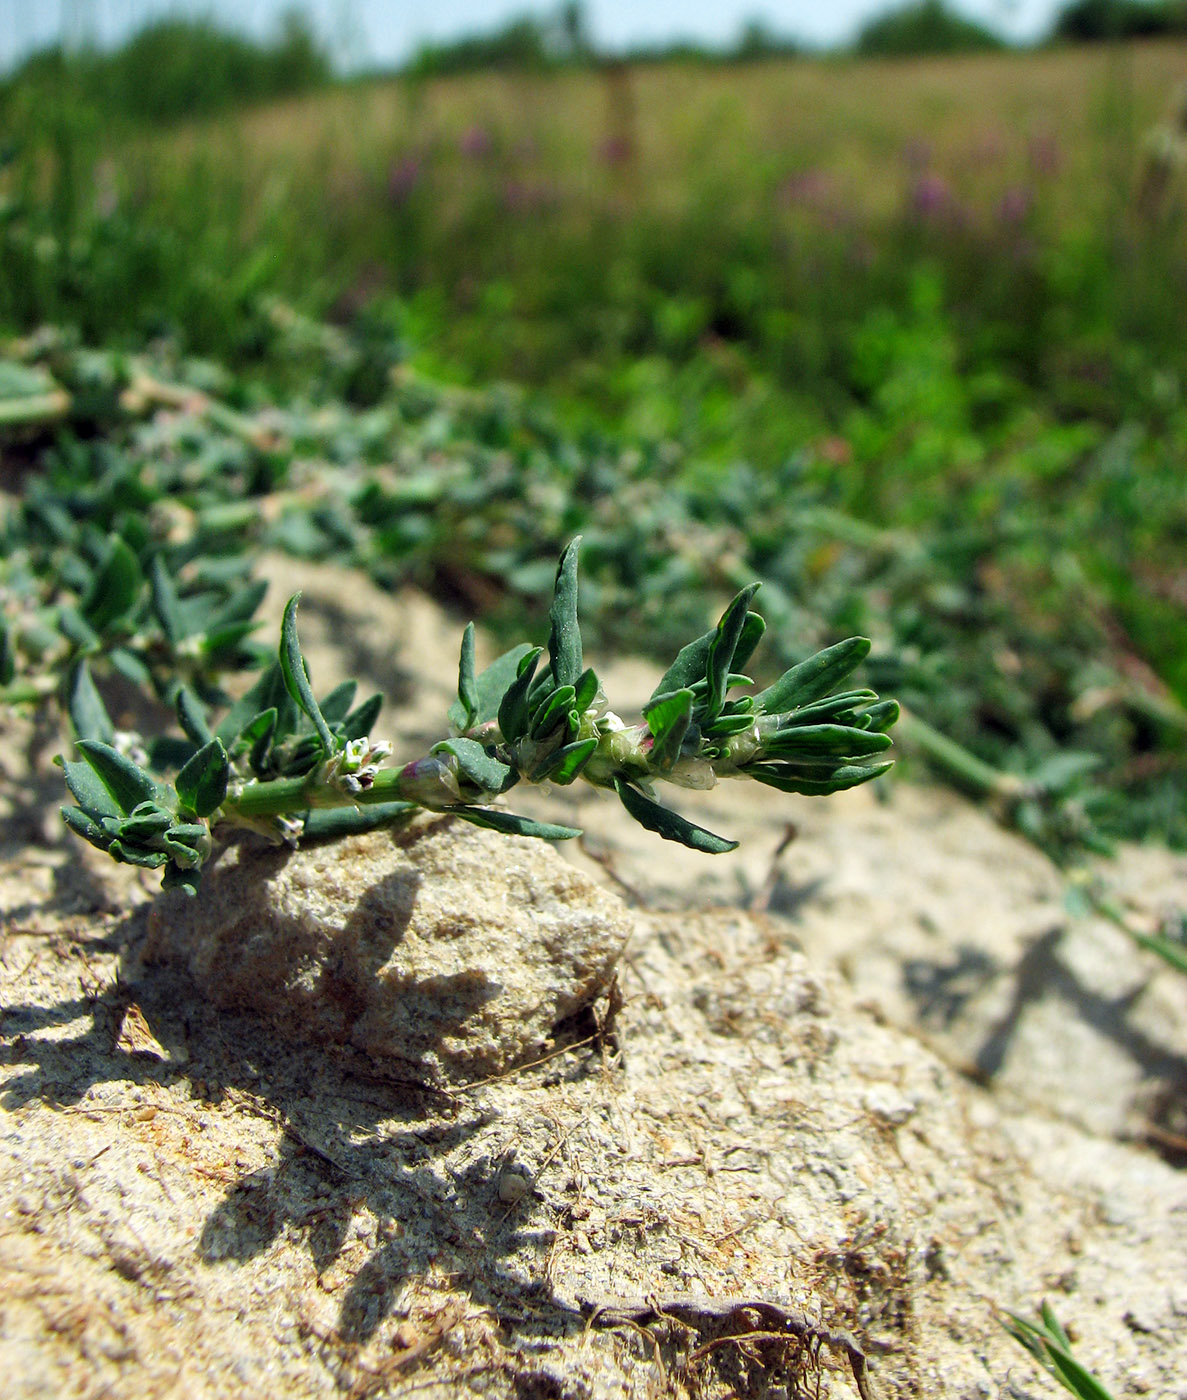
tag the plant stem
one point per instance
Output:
(281, 797)
(958, 762)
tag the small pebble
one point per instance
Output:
(513, 1186)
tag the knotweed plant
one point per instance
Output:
(283, 763)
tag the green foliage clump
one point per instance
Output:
(924, 27)
(526, 43)
(281, 760)
(176, 68)
(1095, 20)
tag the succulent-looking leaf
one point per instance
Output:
(882, 716)
(268, 693)
(76, 629)
(564, 642)
(565, 765)
(793, 777)
(175, 878)
(511, 824)
(202, 784)
(165, 601)
(844, 702)
(467, 693)
(191, 715)
(137, 855)
(336, 706)
(668, 718)
(88, 714)
(127, 782)
(720, 657)
(480, 768)
(83, 825)
(331, 822)
(115, 587)
(585, 691)
(7, 654)
(130, 666)
(361, 720)
(490, 687)
(668, 824)
(753, 629)
(825, 739)
(552, 711)
(814, 678)
(296, 681)
(513, 710)
(241, 608)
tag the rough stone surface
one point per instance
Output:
(195, 1204)
(450, 948)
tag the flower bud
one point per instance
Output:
(431, 782)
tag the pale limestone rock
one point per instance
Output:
(451, 948)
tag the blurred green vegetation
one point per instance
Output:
(904, 339)
(925, 27)
(174, 68)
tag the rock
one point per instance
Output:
(453, 949)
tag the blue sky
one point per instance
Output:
(386, 31)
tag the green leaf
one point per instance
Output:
(513, 710)
(175, 878)
(239, 608)
(585, 691)
(146, 823)
(130, 666)
(824, 739)
(479, 767)
(137, 855)
(268, 693)
(336, 706)
(830, 708)
(88, 789)
(668, 824)
(82, 825)
(796, 778)
(753, 630)
(296, 681)
(191, 715)
(74, 627)
(565, 765)
(467, 691)
(202, 783)
(1170, 950)
(668, 718)
(510, 824)
(361, 721)
(165, 602)
(128, 784)
(882, 716)
(691, 664)
(223, 640)
(115, 588)
(554, 710)
(7, 654)
(720, 656)
(257, 736)
(564, 642)
(688, 668)
(725, 725)
(490, 688)
(328, 823)
(88, 714)
(814, 678)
